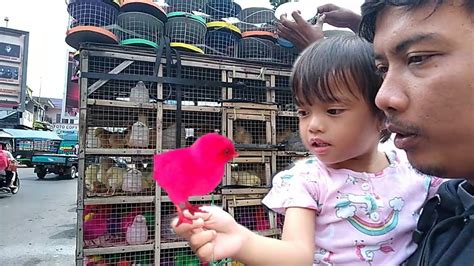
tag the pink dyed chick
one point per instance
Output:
(193, 171)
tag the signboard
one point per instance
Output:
(70, 108)
(66, 128)
(13, 65)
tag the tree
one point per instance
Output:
(276, 3)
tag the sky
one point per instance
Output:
(47, 56)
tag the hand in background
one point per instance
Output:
(300, 32)
(213, 235)
(340, 17)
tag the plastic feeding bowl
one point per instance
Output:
(89, 21)
(186, 31)
(140, 29)
(222, 39)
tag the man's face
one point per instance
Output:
(428, 92)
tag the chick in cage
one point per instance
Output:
(95, 225)
(246, 178)
(108, 139)
(283, 135)
(242, 136)
(114, 177)
(148, 183)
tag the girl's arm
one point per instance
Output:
(216, 235)
(295, 248)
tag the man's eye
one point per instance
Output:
(417, 59)
(335, 111)
(382, 70)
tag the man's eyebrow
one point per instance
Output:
(405, 44)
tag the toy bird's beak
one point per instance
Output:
(236, 155)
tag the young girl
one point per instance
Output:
(349, 204)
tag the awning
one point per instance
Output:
(31, 134)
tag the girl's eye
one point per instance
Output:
(302, 113)
(335, 111)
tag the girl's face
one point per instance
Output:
(339, 133)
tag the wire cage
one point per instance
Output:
(120, 90)
(195, 123)
(285, 160)
(219, 9)
(287, 134)
(168, 213)
(112, 225)
(253, 215)
(257, 46)
(107, 176)
(222, 39)
(196, 94)
(144, 6)
(111, 127)
(130, 258)
(137, 28)
(248, 88)
(257, 19)
(187, 6)
(89, 21)
(284, 55)
(284, 94)
(179, 256)
(249, 129)
(249, 170)
(186, 31)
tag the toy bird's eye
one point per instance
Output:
(227, 151)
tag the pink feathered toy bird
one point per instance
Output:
(193, 171)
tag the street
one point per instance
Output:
(37, 225)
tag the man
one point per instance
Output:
(424, 50)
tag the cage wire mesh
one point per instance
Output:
(121, 90)
(257, 19)
(249, 90)
(222, 39)
(186, 31)
(256, 49)
(131, 258)
(284, 55)
(250, 134)
(287, 134)
(91, 13)
(194, 124)
(179, 256)
(121, 128)
(250, 174)
(187, 6)
(219, 9)
(285, 160)
(168, 213)
(118, 225)
(284, 94)
(118, 176)
(136, 28)
(195, 94)
(254, 216)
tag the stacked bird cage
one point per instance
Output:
(90, 21)
(217, 10)
(186, 31)
(135, 104)
(141, 23)
(222, 39)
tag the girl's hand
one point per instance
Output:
(213, 235)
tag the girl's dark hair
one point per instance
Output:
(334, 64)
(371, 8)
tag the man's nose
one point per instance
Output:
(391, 97)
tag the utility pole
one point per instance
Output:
(6, 19)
